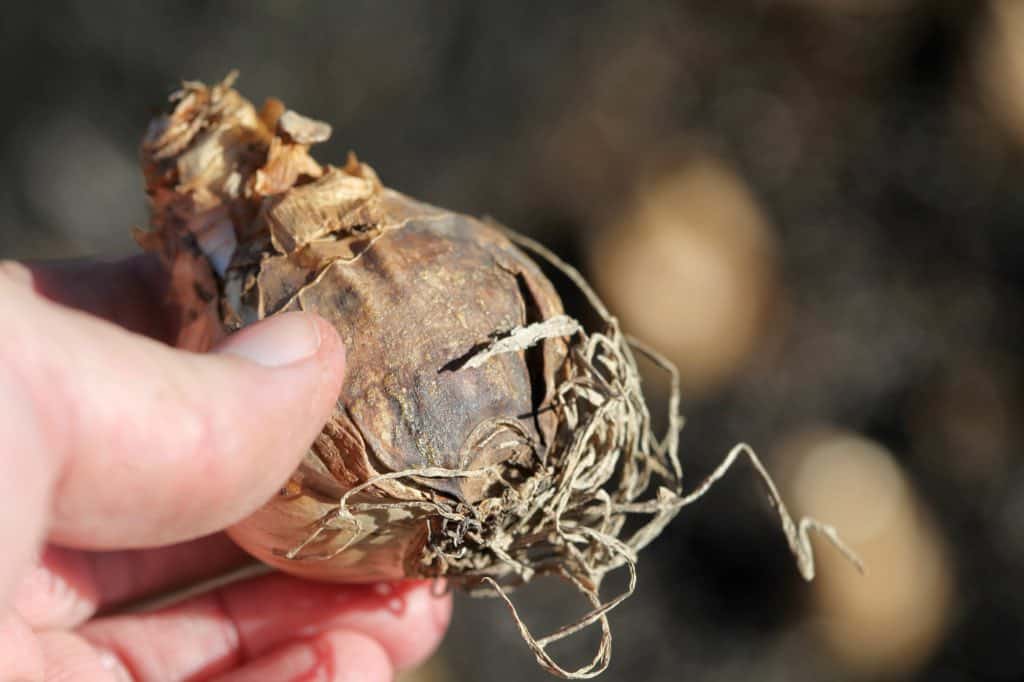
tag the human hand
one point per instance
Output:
(123, 458)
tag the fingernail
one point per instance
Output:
(277, 341)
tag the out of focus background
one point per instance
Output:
(814, 207)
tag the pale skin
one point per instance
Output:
(122, 461)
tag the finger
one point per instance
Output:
(246, 621)
(68, 586)
(66, 656)
(335, 656)
(24, 485)
(132, 293)
(156, 445)
(406, 618)
(19, 650)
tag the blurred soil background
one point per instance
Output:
(814, 207)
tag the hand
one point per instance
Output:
(122, 458)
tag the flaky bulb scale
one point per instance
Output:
(481, 434)
(429, 291)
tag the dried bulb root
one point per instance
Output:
(482, 435)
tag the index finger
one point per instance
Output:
(67, 587)
(245, 621)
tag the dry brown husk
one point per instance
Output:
(482, 435)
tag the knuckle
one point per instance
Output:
(13, 273)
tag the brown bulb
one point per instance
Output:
(999, 64)
(481, 434)
(690, 267)
(887, 622)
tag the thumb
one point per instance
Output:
(153, 445)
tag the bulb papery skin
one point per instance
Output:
(429, 291)
(379, 551)
(481, 434)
